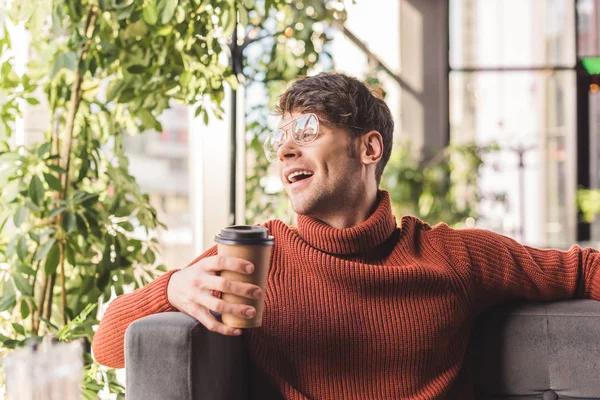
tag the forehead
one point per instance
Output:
(289, 117)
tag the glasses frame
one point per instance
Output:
(285, 128)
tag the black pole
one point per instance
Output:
(584, 231)
(583, 149)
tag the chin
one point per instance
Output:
(306, 203)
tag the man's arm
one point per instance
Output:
(109, 340)
(494, 268)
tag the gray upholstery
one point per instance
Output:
(172, 356)
(538, 351)
(529, 351)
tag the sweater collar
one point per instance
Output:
(371, 233)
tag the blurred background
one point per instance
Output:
(496, 104)
(505, 75)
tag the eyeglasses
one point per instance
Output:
(305, 129)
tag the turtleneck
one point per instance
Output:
(372, 311)
(368, 235)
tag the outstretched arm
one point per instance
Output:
(494, 268)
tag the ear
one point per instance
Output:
(371, 147)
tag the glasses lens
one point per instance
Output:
(273, 142)
(305, 129)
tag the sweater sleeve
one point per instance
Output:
(495, 269)
(109, 340)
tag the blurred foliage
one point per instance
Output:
(588, 201)
(442, 189)
(288, 44)
(75, 227)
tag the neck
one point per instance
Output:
(351, 212)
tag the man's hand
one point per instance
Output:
(190, 291)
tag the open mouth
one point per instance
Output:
(298, 176)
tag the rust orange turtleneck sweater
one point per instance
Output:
(376, 311)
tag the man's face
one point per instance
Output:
(331, 171)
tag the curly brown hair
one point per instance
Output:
(343, 100)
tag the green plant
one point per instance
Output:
(443, 189)
(75, 227)
(588, 202)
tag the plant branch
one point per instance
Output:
(34, 320)
(67, 144)
(47, 312)
(40, 311)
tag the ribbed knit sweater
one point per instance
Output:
(376, 311)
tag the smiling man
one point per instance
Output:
(356, 305)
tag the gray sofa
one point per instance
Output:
(523, 351)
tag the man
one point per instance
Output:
(356, 306)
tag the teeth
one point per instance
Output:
(293, 175)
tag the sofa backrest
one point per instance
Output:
(538, 351)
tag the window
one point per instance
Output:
(513, 82)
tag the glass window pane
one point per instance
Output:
(588, 20)
(512, 33)
(533, 112)
(594, 97)
(159, 162)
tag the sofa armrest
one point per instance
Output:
(172, 356)
(538, 350)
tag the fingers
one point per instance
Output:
(223, 285)
(221, 263)
(204, 316)
(224, 307)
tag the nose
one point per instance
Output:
(288, 149)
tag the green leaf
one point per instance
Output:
(9, 156)
(57, 64)
(8, 302)
(20, 216)
(147, 118)
(53, 182)
(52, 260)
(25, 269)
(35, 237)
(85, 167)
(136, 69)
(18, 328)
(22, 284)
(24, 310)
(125, 12)
(150, 13)
(50, 324)
(36, 190)
(168, 10)
(58, 169)
(11, 190)
(184, 79)
(126, 96)
(56, 211)
(22, 248)
(68, 221)
(44, 249)
(70, 61)
(232, 80)
(43, 149)
(243, 13)
(6, 173)
(33, 101)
